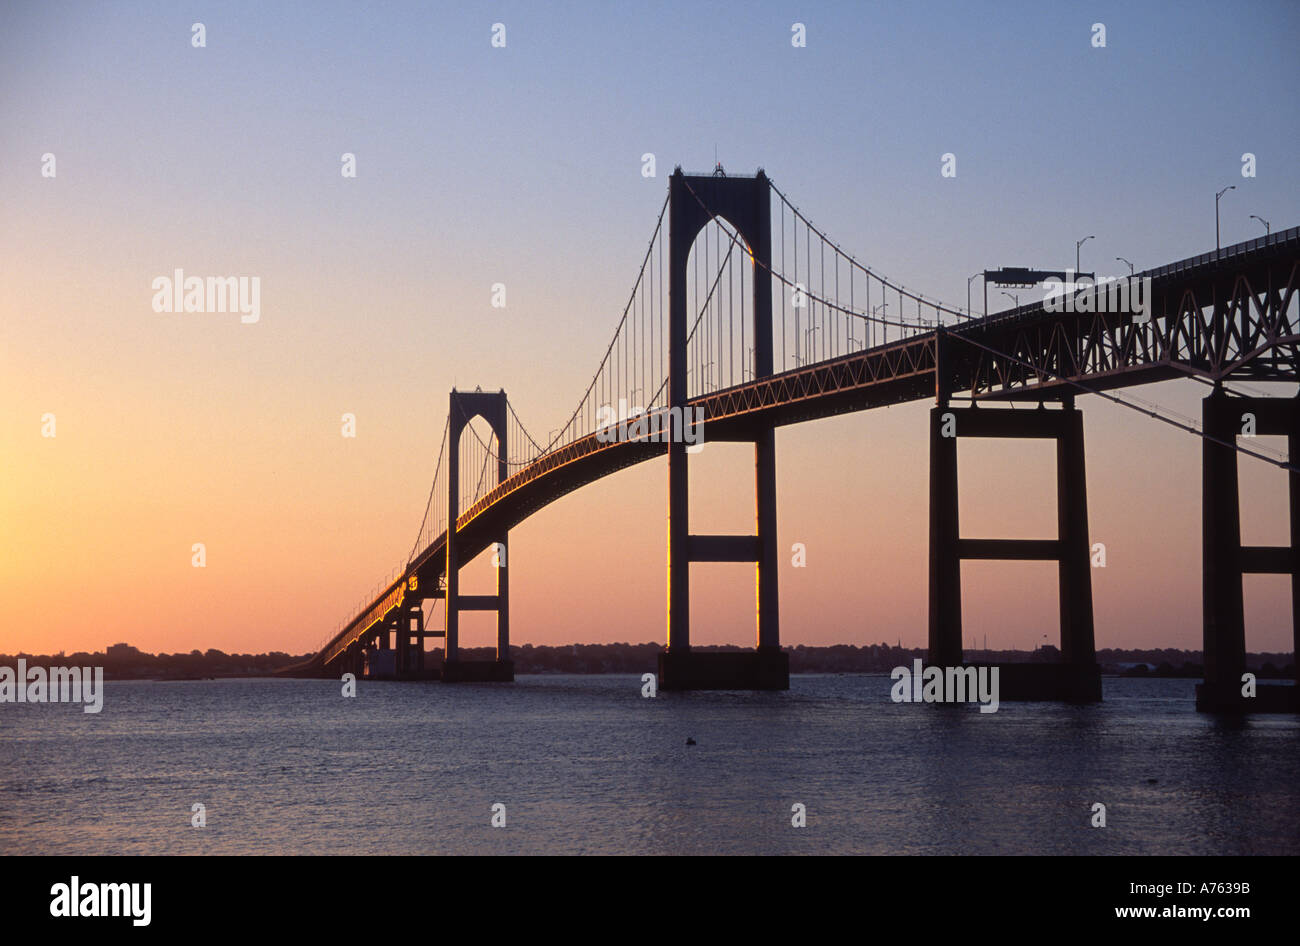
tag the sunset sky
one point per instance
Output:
(522, 165)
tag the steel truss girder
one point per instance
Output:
(1238, 324)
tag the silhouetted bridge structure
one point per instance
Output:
(705, 350)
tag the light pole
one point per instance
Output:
(968, 282)
(1230, 187)
(1013, 297)
(1120, 259)
(884, 333)
(1267, 228)
(1077, 244)
(808, 343)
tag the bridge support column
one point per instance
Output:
(945, 556)
(1077, 678)
(766, 572)
(464, 407)
(380, 657)
(1224, 560)
(401, 645)
(1078, 641)
(417, 614)
(406, 625)
(746, 203)
(501, 561)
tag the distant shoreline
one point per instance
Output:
(124, 662)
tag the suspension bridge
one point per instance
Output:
(745, 317)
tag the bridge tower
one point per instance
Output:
(745, 202)
(464, 407)
(1224, 560)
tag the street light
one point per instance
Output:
(807, 343)
(1267, 228)
(1013, 297)
(1120, 259)
(1077, 244)
(884, 328)
(968, 282)
(1230, 187)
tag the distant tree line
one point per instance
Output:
(124, 662)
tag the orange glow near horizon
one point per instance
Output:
(93, 560)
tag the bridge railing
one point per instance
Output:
(1282, 237)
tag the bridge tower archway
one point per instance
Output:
(464, 407)
(744, 202)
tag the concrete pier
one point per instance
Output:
(1077, 679)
